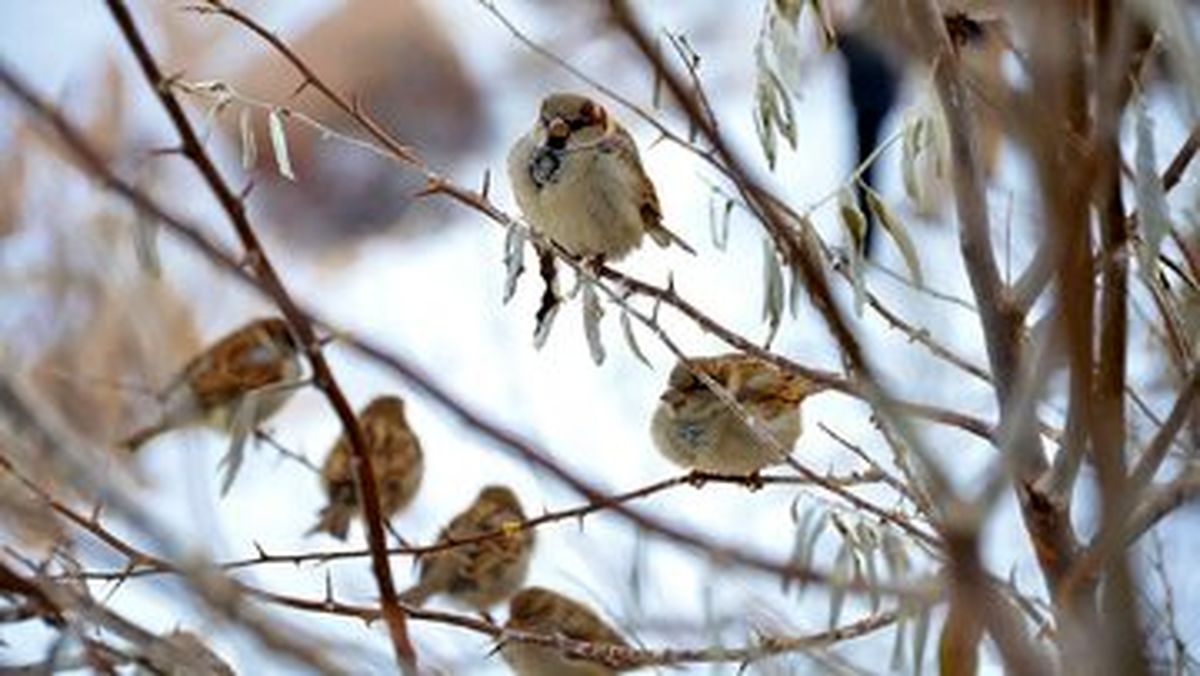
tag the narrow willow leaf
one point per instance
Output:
(810, 546)
(899, 234)
(910, 150)
(868, 546)
(854, 224)
(592, 314)
(1151, 198)
(920, 638)
(244, 418)
(772, 289)
(719, 225)
(764, 127)
(843, 566)
(795, 290)
(896, 556)
(825, 17)
(785, 114)
(898, 643)
(249, 143)
(800, 541)
(514, 261)
(145, 244)
(279, 144)
(631, 340)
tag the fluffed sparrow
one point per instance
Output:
(262, 356)
(483, 573)
(579, 181)
(694, 428)
(396, 459)
(541, 611)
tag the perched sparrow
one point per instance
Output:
(210, 388)
(541, 611)
(395, 458)
(694, 428)
(484, 573)
(579, 181)
(181, 653)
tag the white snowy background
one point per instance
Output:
(436, 300)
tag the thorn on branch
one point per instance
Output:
(304, 84)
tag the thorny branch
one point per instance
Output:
(264, 271)
(513, 443)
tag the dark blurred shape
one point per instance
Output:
(398, 62)
(880, 55)
(873, 79)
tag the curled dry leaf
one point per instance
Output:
(592, 314)
(772, 289)
(514, 261)
(279, 143)
(854, 224)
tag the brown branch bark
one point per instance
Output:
(264, 271)
(93, 164)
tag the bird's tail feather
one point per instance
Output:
(334, 520)
(664, 237)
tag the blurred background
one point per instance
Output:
(93, 329)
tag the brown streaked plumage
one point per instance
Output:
(485, 573)
(694, 428)
(209, 388)
(541, 611)
(579, 180)
(396, 459)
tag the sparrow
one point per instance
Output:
(694, 428)
(579, 181)
(540, 611)
(483, 573)
(261, 357)
(166, 655)
(396, 459)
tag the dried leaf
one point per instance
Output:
(843, 566)
(868, 544)
(825, 17)
(855, 226)
(920, 638)
(910, 148)
(279, 143)
(896, 556)
(898, 643)
(772, 289)
(800, 541)
(899, 234)
(240, 430)
(719, 225)
(514, 261)
(1152, 210)
(631, 340)
(592, 314)
(764, 124)
(145, 244)
(249, 143)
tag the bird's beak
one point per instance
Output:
(673, 398)
(558, 131)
